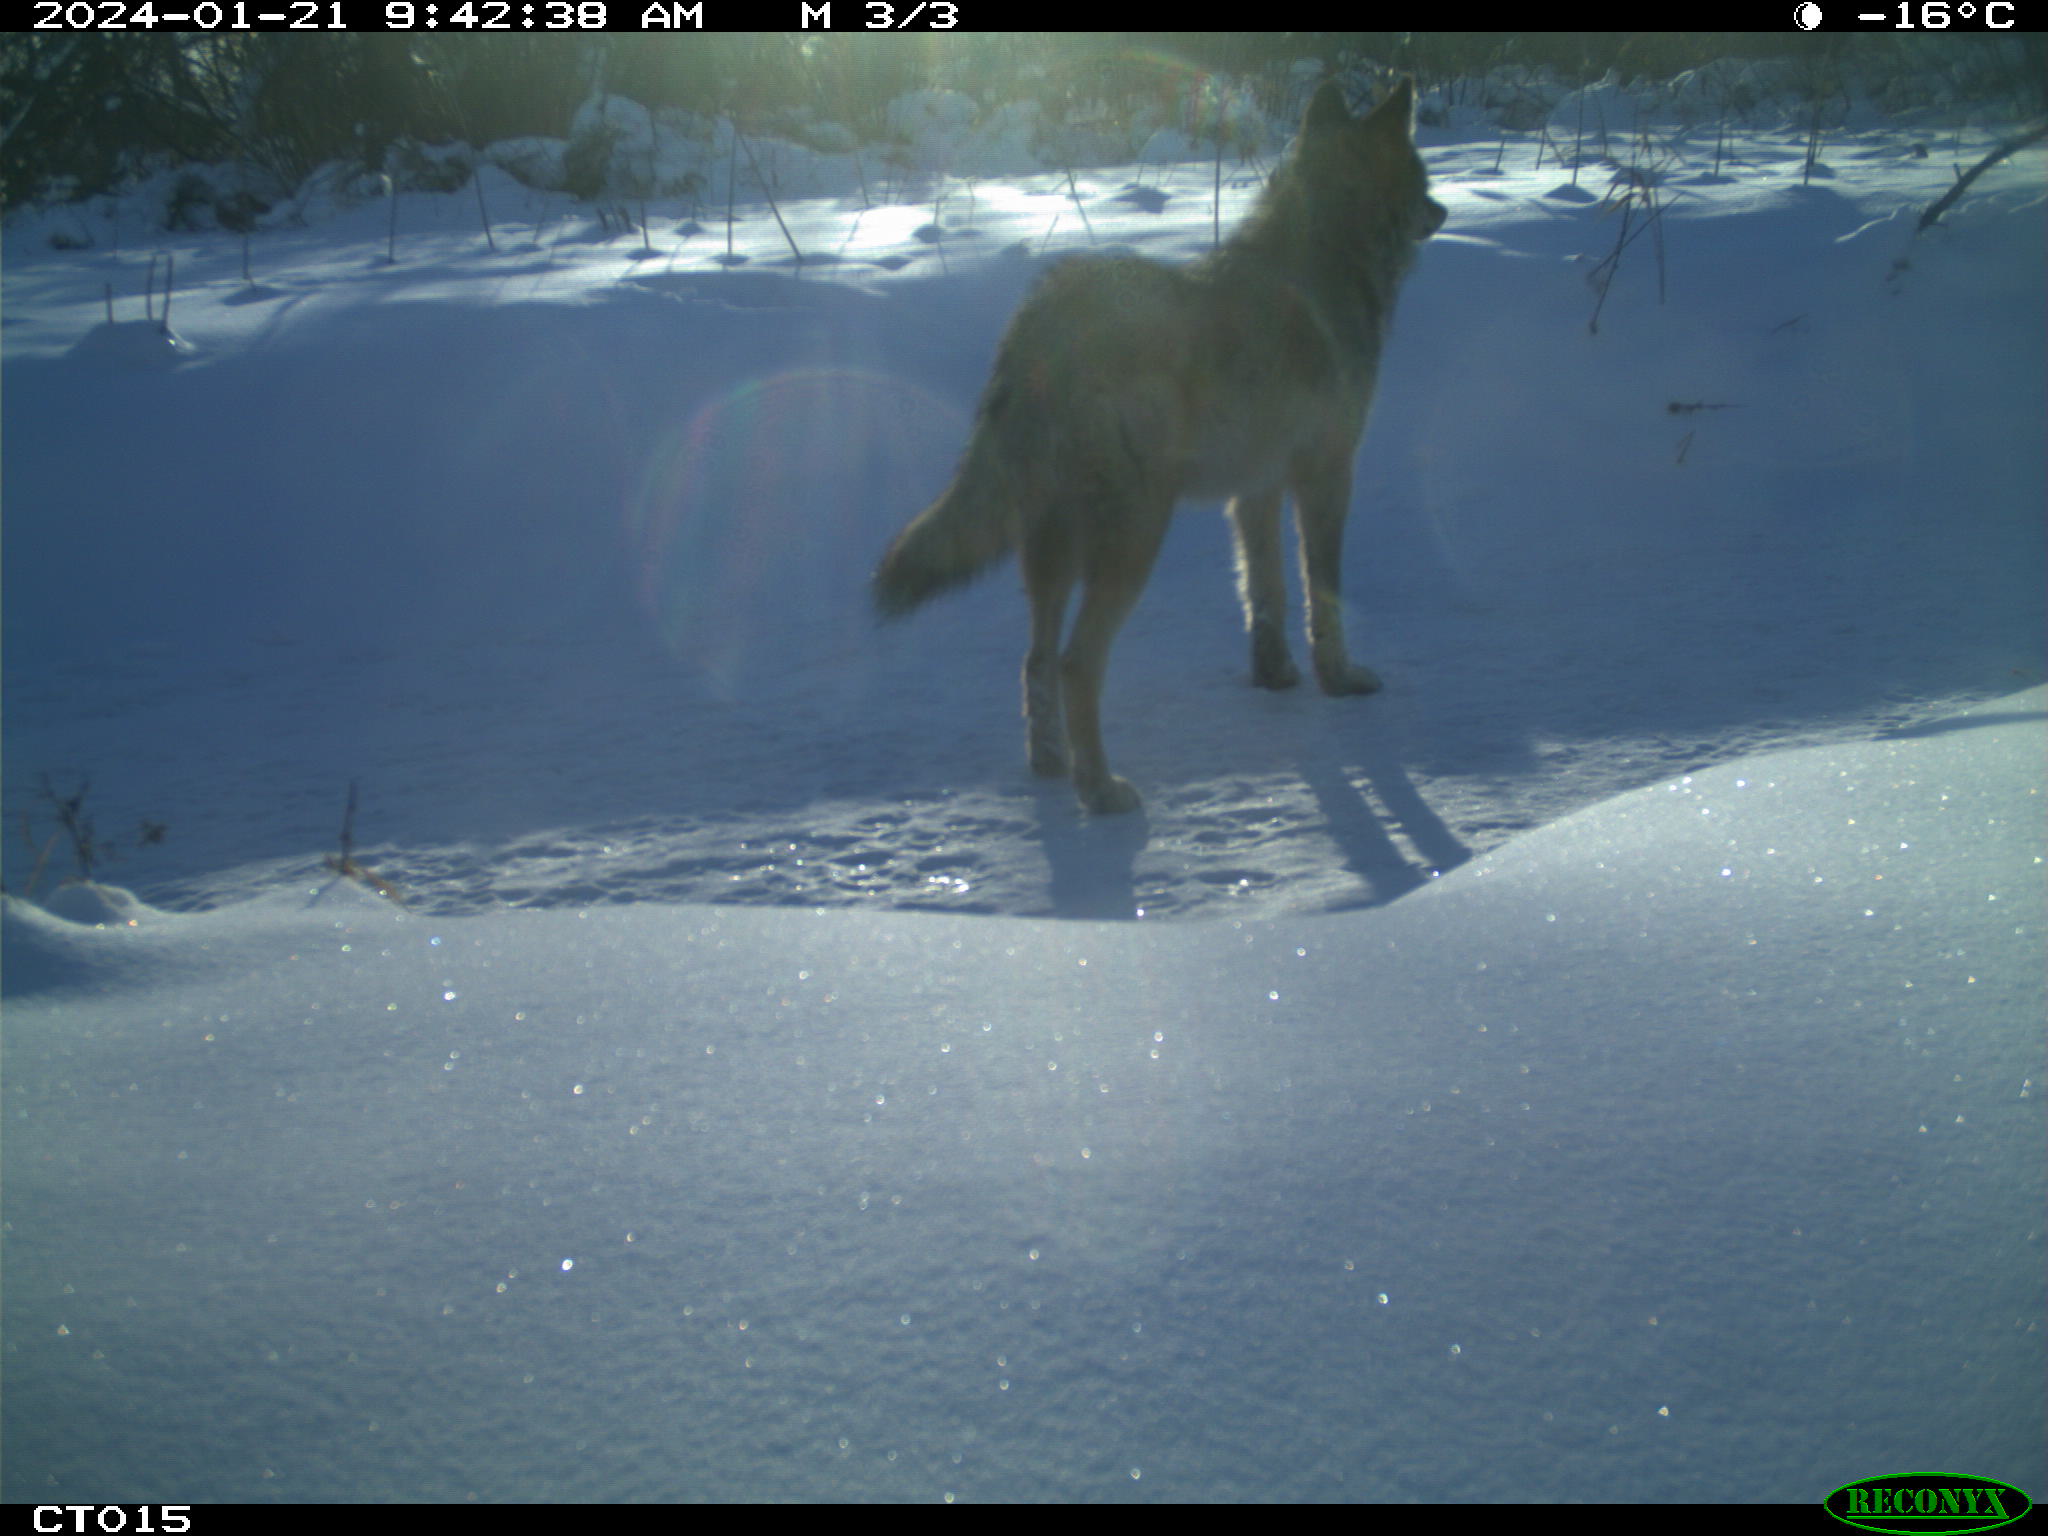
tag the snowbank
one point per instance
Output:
(1686, 1149)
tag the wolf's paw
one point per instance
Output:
(1347, 677)
(1112, 797)
(1272, 667)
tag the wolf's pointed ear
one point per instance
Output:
(1396, 111)
(1326, 109)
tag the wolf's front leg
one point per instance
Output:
(1255, 521)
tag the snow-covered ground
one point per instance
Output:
(1680, 1141)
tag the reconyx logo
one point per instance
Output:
(1927, 1501)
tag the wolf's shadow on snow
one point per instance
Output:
(1092, 860)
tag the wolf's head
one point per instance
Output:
(1374, 153)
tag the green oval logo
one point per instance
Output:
(1933, 1502)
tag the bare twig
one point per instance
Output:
(35, 874)
(769, 193)
(1074, 192)
(70, 813)
(345, 863)
(476, 179)
(1948, 198)
(1216, 192)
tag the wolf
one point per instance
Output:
(1124, 385)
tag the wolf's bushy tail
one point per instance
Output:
(951, 541)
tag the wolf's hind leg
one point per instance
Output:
(1322, 497)
(1115, 574)
(1048, 578)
